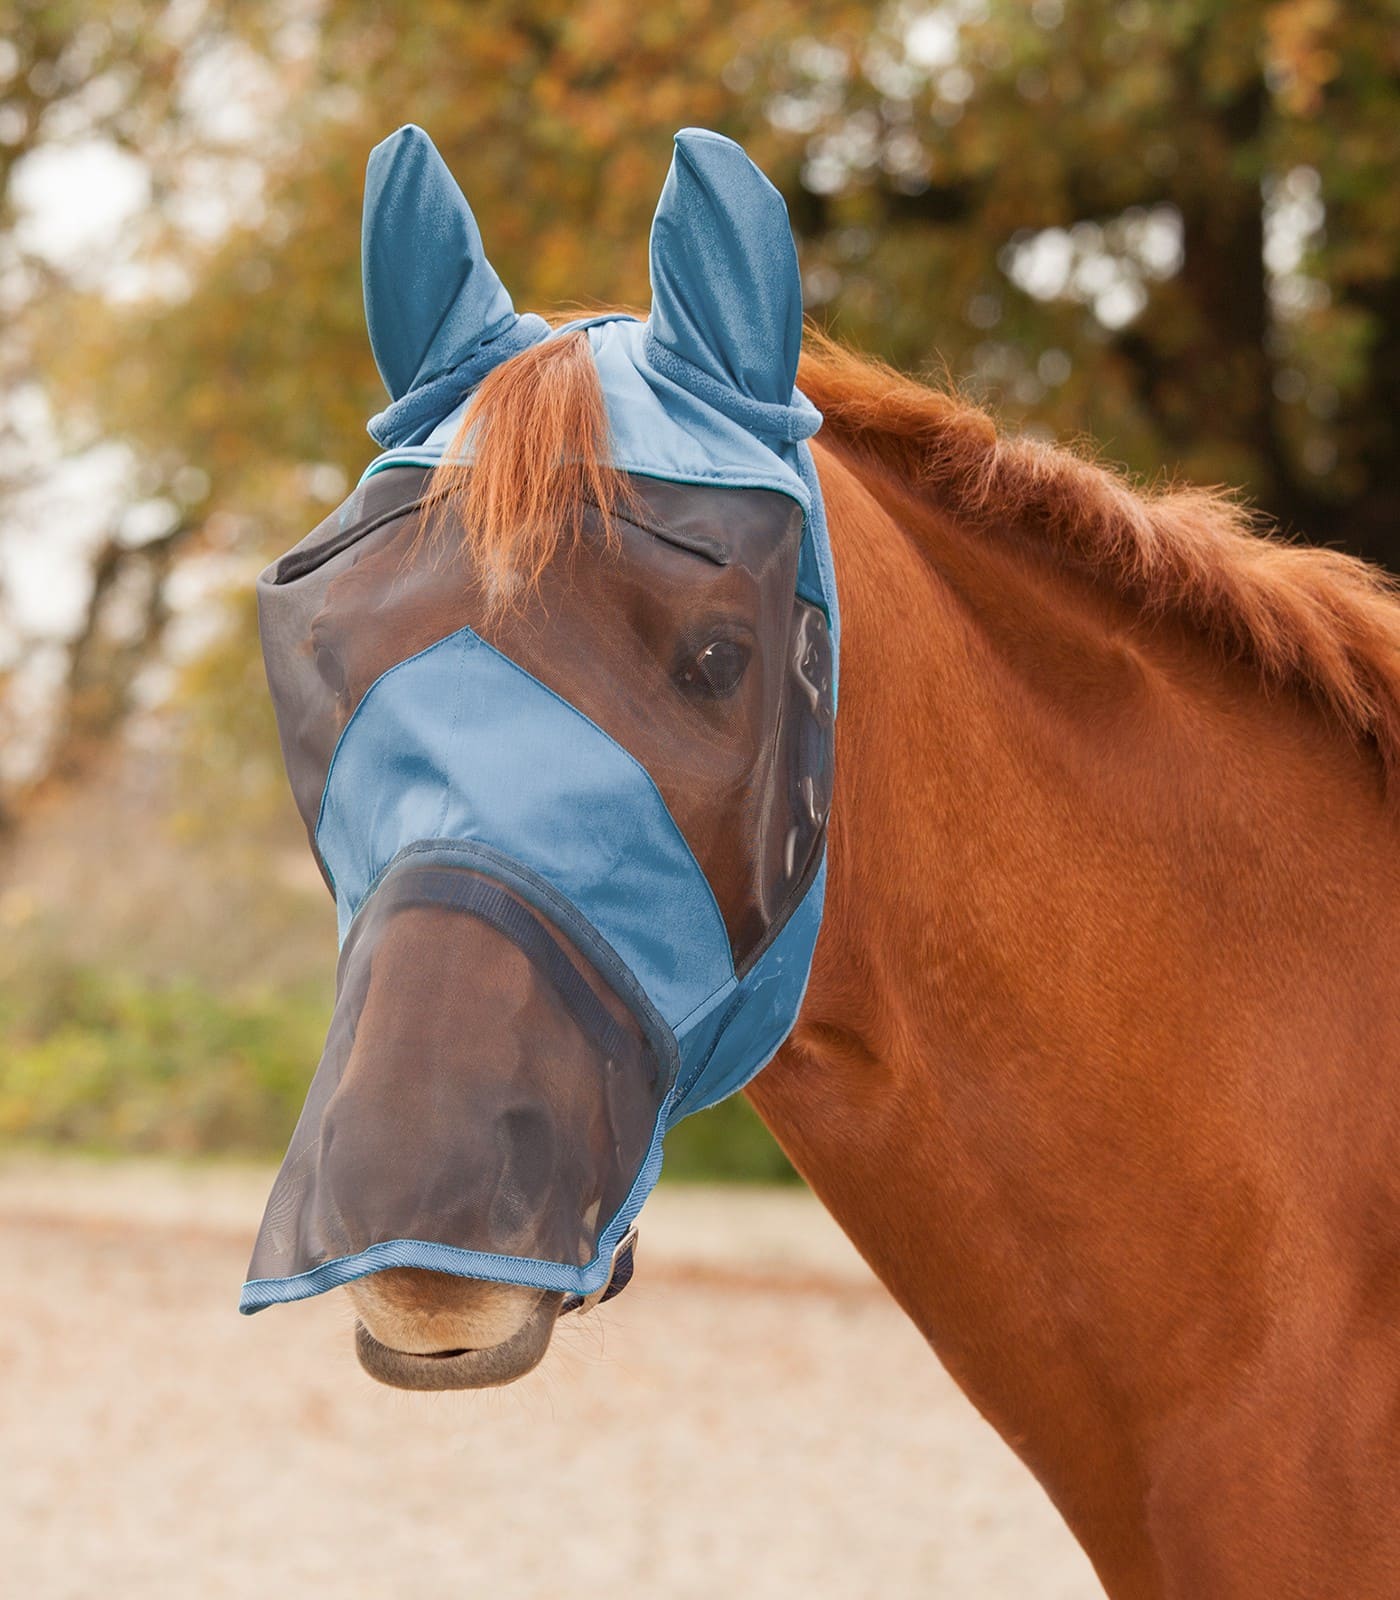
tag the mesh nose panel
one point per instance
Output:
(483, 1089)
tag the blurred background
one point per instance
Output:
(1172, 228)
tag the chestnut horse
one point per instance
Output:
(1099, 1065)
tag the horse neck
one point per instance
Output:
(1041, 1024)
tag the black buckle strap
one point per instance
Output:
(624, 1263)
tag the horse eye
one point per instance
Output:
(328, 664)
(718, 670)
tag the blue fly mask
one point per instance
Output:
(577, 849)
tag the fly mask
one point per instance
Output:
(577, 844)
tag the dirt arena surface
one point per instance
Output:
(753, 1418)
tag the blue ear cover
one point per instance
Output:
(431, 296)
(726, 293)
(439, 317)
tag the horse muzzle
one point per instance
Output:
(485, 1098)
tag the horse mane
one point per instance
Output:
(1313, 620)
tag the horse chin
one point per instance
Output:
(416, 1329)
(490, 1367)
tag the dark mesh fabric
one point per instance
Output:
(684, 644)
(291, 594)
(482, 1086)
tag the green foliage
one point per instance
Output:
(727, 1143)
(111, 1063)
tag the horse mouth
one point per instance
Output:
(488, 1368)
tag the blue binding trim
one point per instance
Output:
(436, 886)
(259, 1293)
(555, 908)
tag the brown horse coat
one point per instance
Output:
(1100, 1061)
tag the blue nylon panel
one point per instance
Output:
(458, 742)
(758, 1017)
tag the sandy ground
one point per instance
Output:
(753, 1418)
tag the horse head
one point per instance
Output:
(555, 694)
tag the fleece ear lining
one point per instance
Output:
(413, 415)
(799, 419)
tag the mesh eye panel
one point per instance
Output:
(291, 594)
(684, 643)
(482, 1088)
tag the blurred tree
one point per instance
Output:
(113, 88)
(1171, 227)
(260, 377)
